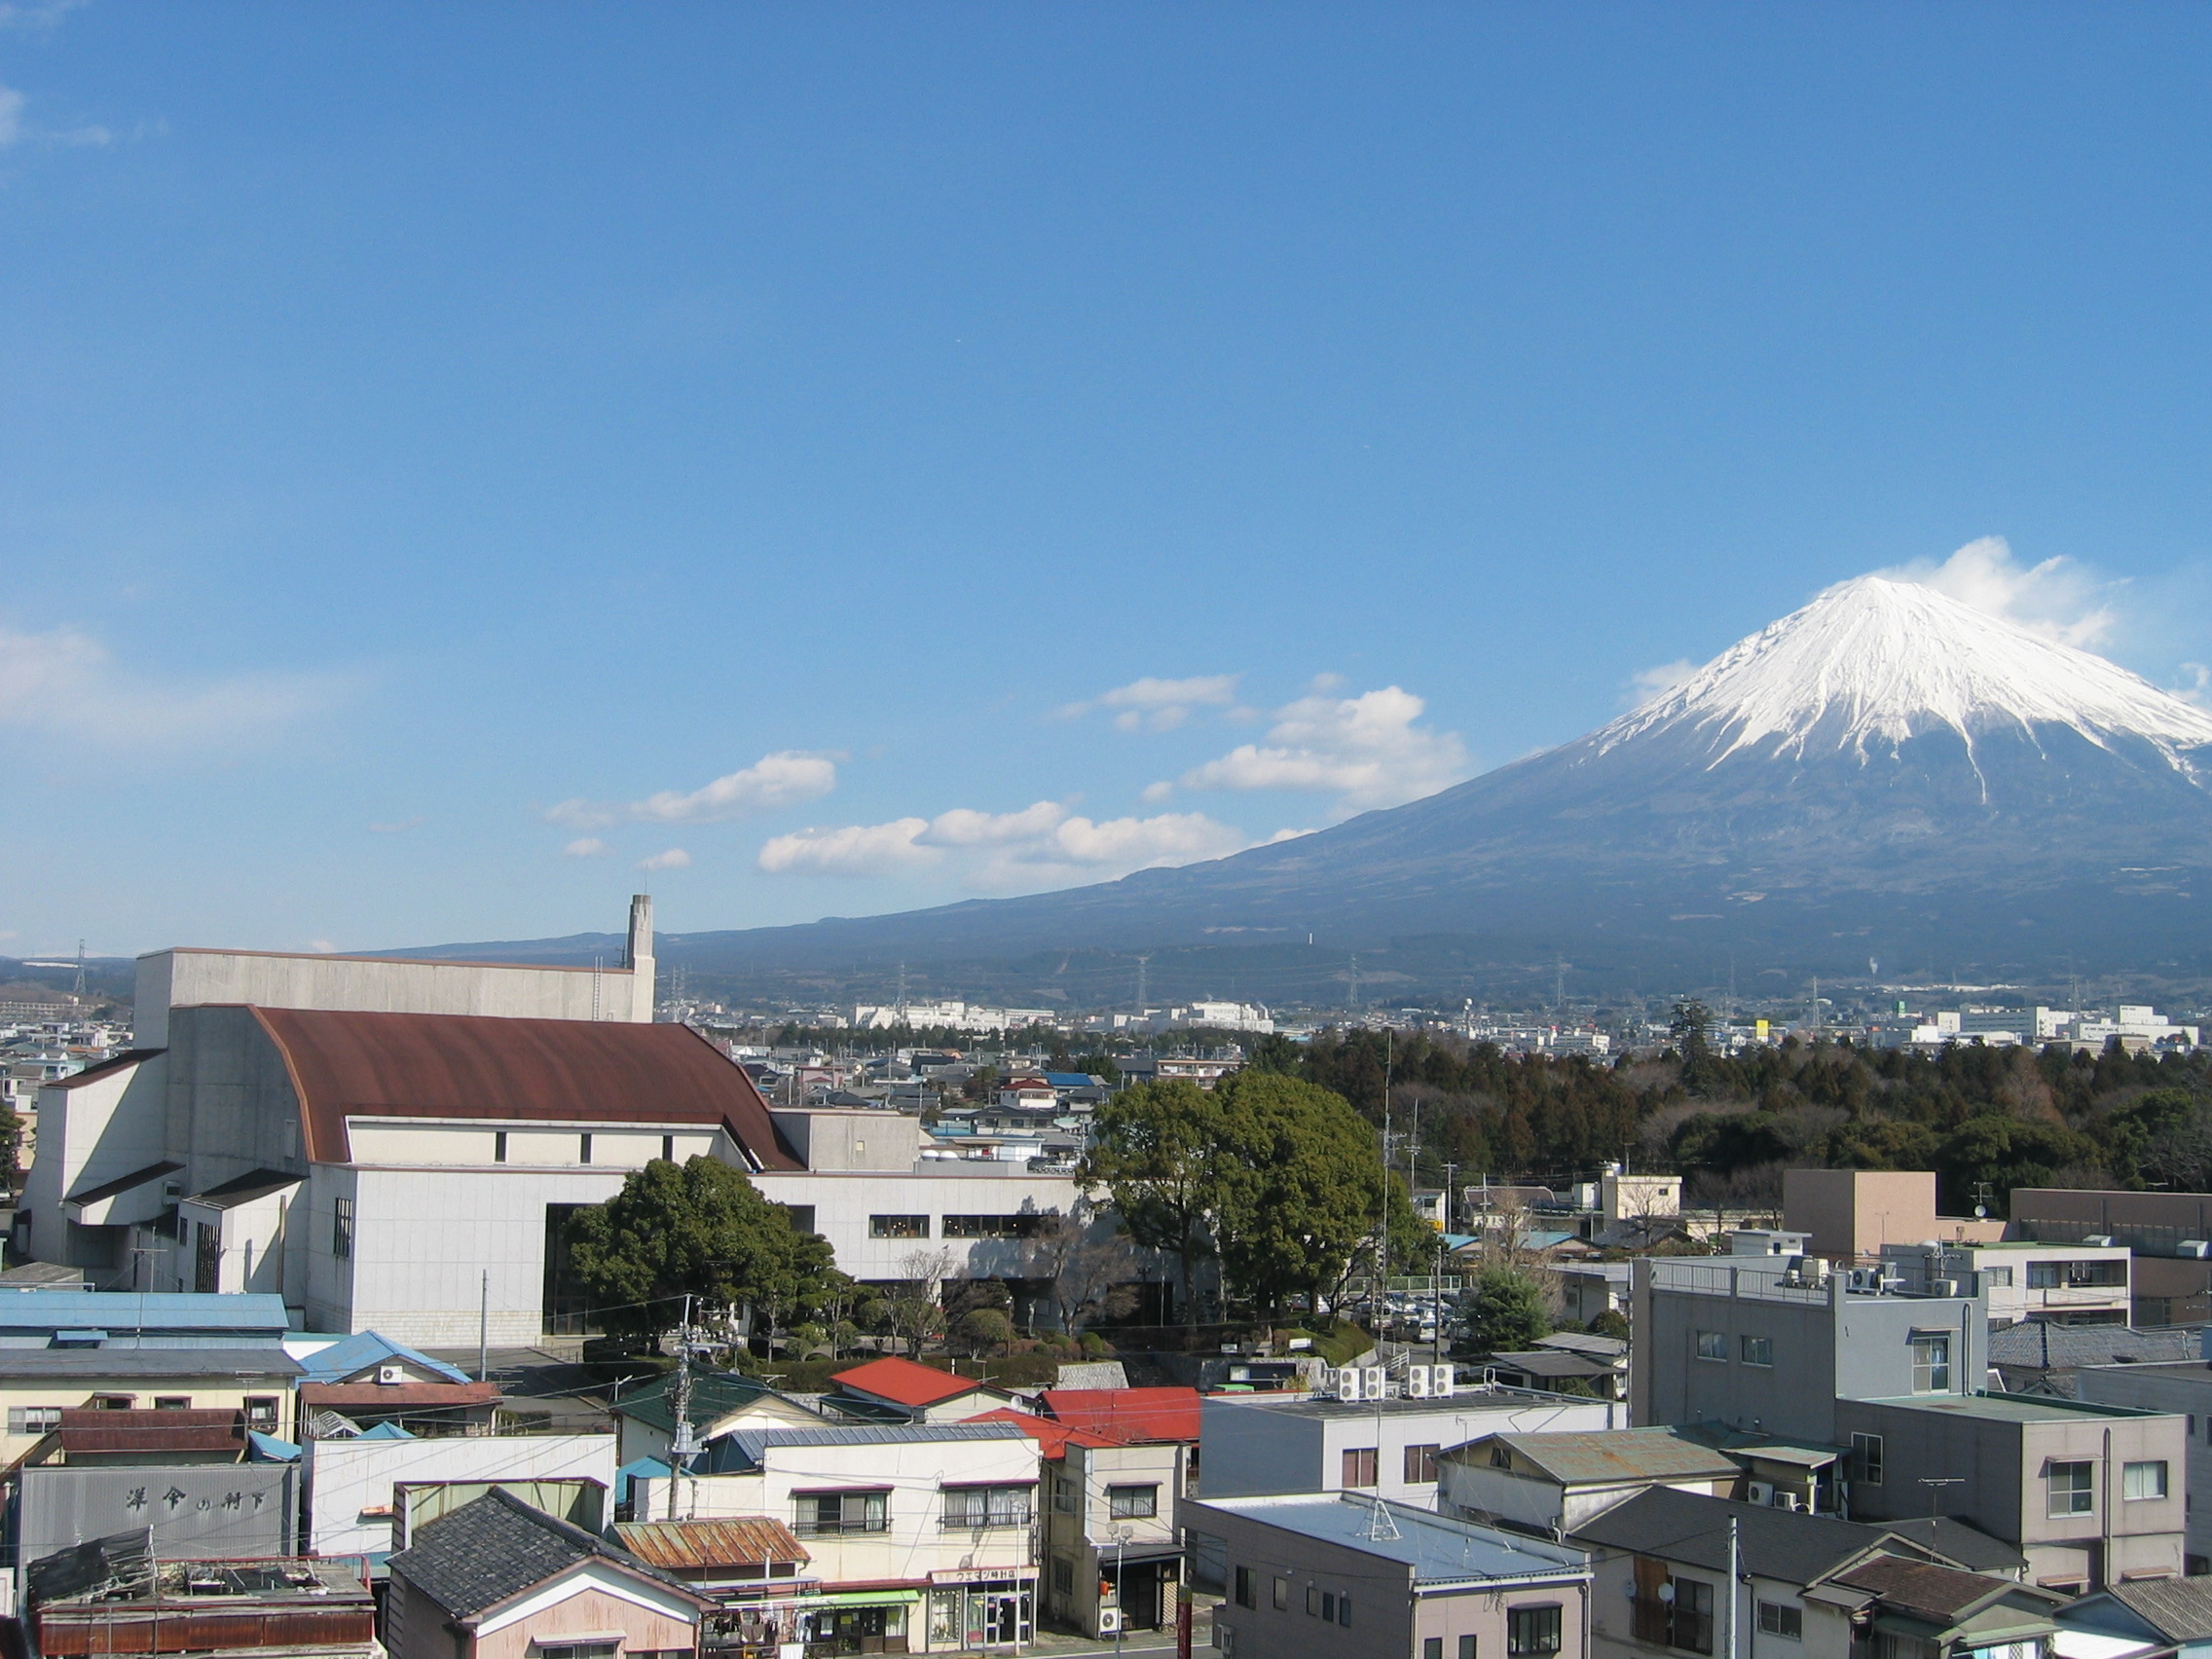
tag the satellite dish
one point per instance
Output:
(1981, 1212)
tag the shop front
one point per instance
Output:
(1141, 1584)
(982, 1608)
(819, 1627)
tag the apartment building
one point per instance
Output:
(2173, 1388)
(2065, 1284)
(2168, 1234)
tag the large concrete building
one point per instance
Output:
(397, 1145)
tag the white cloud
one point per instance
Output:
(1038, 846)
(676, 858)
(783, 779)
(2059, 599)
(1152, 704)
(584, 847)
(66, 680)
(1368, 750)
(1649, 683)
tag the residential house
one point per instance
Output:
(1549, 1484)
(2143, 1617)
(2039, 1358)
(2063, 1285)
(722, 1403)
(39, 1385)
(2169, 1234)
(2178, 1389)
(1256, 1444)
(2091, 1494)
(1556, 1368)
(1135, 1416)
(1591, 1288)
(1111, 1557)
(753, 1568)
(498, 1579)
(368, 1379)
(919, 1533)
(1321, 1575)
(1809, 1586)
(916, 1393)
(1770, 1344)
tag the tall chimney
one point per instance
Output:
(637, 957)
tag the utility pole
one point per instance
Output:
(682, 1448)
(484, 1329)
(1735, 1568)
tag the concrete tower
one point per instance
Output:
(637, 957)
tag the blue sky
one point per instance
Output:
(861, 456)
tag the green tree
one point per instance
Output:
(1152, 1149)
(1299, 1182)
(2009, 1152)
(1505, 1312)
(1688, 1030)
(703, 1230)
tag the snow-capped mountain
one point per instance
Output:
(1884, 773)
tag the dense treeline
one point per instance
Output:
(1992, 1117)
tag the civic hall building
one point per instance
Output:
(392, 1144)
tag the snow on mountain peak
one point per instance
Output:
(1873, 661)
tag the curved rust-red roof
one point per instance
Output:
(345, 1063)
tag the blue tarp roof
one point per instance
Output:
(268, 1449)
(386, 1431)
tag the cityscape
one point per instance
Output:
(1247, 832)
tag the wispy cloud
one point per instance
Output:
(1368, 750)
(2059, 598)
(1038, 846)
(783, 779)
(1649, 683)
(584, 847)
(66, 680)
(1152, 704)
(676, 858)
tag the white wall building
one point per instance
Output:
(355, 1487)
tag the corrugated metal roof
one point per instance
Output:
(96, 1431)
(357, 1397)
(906, 1383)
(1127, 1414)
(182, 1363)
(753, 1442)
(2179, 1608)
(122, 1311)
(455, 1065)
(1577, 1457)
(740, 1541)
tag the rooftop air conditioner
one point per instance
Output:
(1372, 1377)
(1443, 1381)
(1761, 1491)
(1417, 1383)
(1347, 1383)
(391, 1374)
(1789, 1501)
(1943, 1287)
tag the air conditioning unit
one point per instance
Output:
(1761, 1491)
(1789, 1501)
(1443, 1382)
(391, 1374)
(1943, 1287)
(1417, 1383)
(1108, 1621)
(2200, 1248)
(1372, 1380)
(1347, 1383)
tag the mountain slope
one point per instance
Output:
(1885, 772)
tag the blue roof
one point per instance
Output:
(32, 1319)
(371, 1348)
(1070, 1079)
(1439, 1549)
(386, 1431)
(268, 1449)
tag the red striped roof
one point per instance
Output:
(903, 1383)
(1053, 1438)
(1129, 1414)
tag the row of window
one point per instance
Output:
(1362, 1463)
(260, 1411)
(1930, 1358)
(1531, 1632)
(967, 1509)
(1123, 1502)
(956, 1226)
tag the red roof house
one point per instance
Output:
(1053, 1438)
(923, 1392)
(1133, 1416)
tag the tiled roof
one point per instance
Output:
(1053, 1438)
(738, 1541)
(1128, 1414)
(2180, 1609)
(908, 1383)
(1684, 1527)
(1938, 1594)
(455, 1066)
(2041, 1345)
(497, 1547)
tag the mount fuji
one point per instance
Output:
(1885, 774)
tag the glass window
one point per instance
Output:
(1931, 1365)
(2143, 1480)
(342, 1228)
(1328, 1607)
(990, 1225)
(1994, 1277)
(968, 1509)
(183, 1403)
(1063, 1576)
(1712, 1345)
(1343, 1611)
(1533, 1630)
(1432, 1647)
(1867, 1455)
(1684, 1621)
(1282, 1595)
(1758, 1350)
(1065, 1496)
(1312, 1599)
(1780, 1618)
(898, 1226)
(828, 1513)
(1246, 1595)
(2073, 1488)
(1133, 1502)
(1466, 1647)
(1359, 1466)
(33, 1420)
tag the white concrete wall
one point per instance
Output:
(844, 1200)
(345, 1477)
(188, 977)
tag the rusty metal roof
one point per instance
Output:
(84, 1431)
(739, 1540)
(470, 1066)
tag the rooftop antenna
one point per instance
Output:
(598, 964)
(79, 987)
